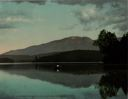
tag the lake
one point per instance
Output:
(40, 84)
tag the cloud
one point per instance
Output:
(5, 26)
(83, 2)
(69, 27)
(93, 17)
(101, 13)
(30, 1)
(122, 26)
(99, 3)
(12, 21)
(71, 2)
(9, 18)
(95, 14)
(12, 16)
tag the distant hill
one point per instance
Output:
(72, 56)
(66, 44)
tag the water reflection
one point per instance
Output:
(58, 85)
(111, 82)
(15, 85)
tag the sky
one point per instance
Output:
(31, 22)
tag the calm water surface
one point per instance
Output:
(35, 84)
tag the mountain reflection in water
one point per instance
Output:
(38, 84)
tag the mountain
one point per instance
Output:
(66, 44)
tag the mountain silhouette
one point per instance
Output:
(66, 44)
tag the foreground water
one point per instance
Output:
(31, 84)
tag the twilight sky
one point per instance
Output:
(31, 22)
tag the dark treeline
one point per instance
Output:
(115, 59)
(72, 56)
(6, 60)
(71, 61)
(114, 49)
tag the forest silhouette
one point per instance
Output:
(114, 49)
(115, 52)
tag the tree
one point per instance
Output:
(108, 44)
(115, 52)
(123, 49)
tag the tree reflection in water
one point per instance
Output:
(110, 84)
